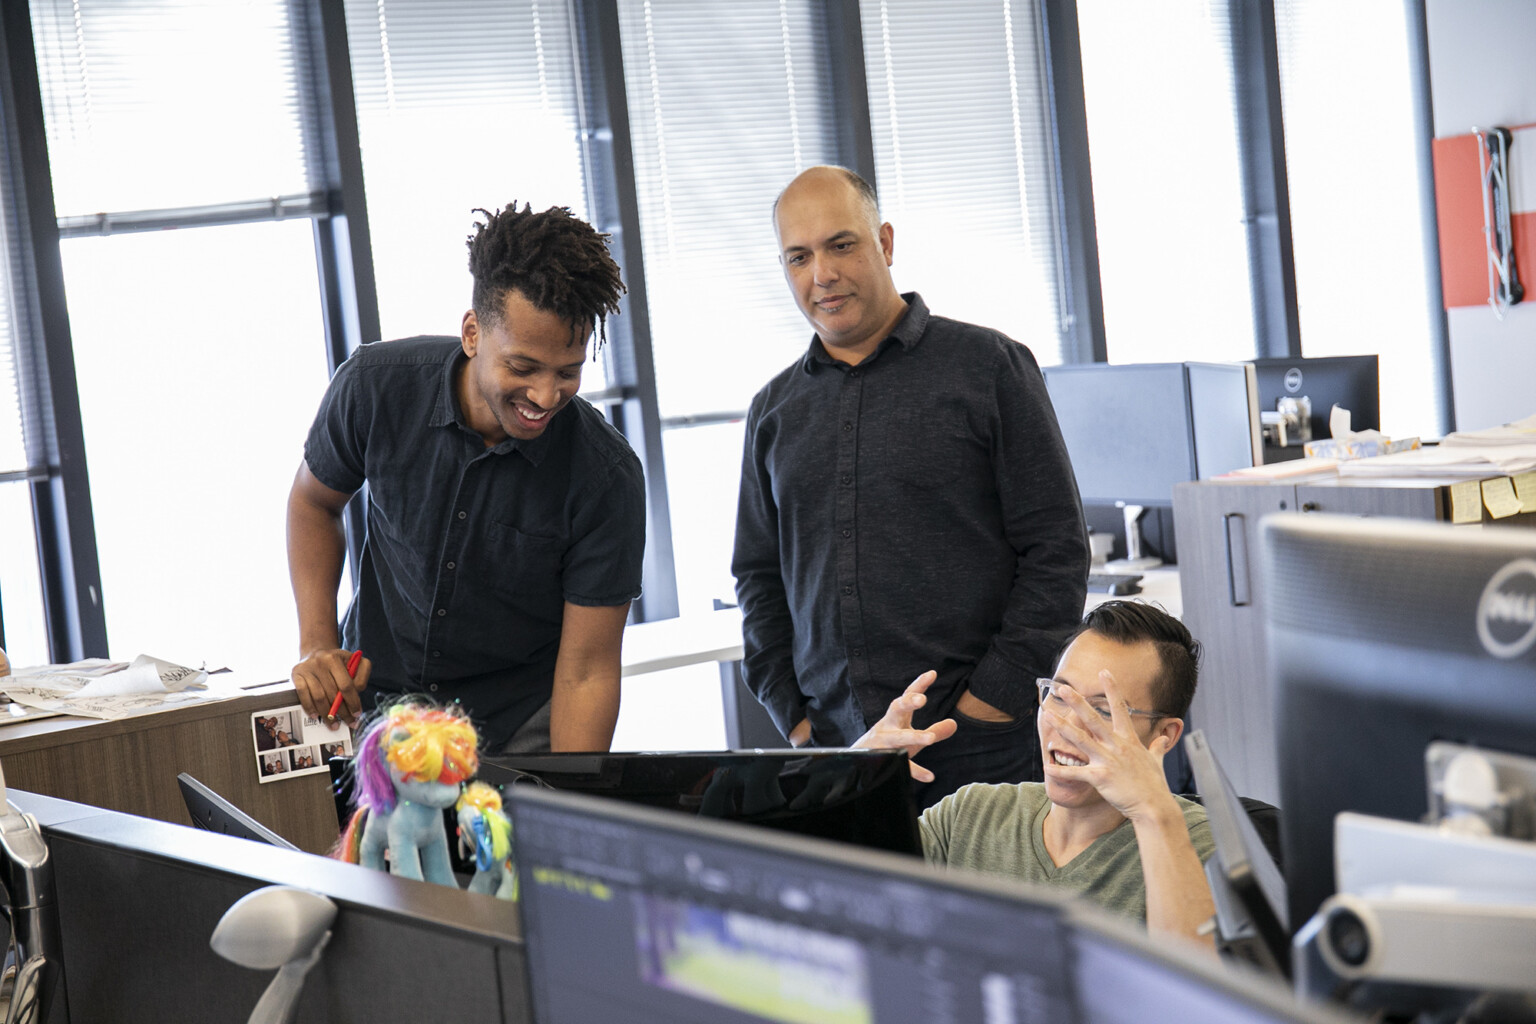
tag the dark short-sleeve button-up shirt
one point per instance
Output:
(472, 552)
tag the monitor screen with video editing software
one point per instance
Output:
(637, 915)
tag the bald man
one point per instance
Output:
(906, 504)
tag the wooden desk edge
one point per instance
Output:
(66, 730)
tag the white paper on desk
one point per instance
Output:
(1520, 432)
(145, 685)
(1500, 460)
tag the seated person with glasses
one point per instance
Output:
(1104, 824)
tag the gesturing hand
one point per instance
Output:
(1127, 773)
(895, 729)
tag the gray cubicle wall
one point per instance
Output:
(139, 899)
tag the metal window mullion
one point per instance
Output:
(1439, 325)
(1266, 192)
(343, 246)
(847, 83)
(608, 156)
(61, 503)
(1082, 312)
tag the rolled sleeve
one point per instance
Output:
(603, 565)
(336, 448)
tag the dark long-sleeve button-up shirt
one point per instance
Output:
(914, 511)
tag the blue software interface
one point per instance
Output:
(635, 916)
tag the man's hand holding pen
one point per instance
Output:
(329, 684)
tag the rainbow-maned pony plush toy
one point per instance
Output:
(485, 831)
(409, 765)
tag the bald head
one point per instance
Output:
(827, 176)
(837, 260)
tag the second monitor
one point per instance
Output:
(1133, 431)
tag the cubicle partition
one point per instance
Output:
(138, 901)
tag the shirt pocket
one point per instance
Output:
(927, 448)
(524, 570)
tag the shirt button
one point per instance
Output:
(437, 654)
(847, 533)
(453, 565)
(463, 514)
(847, 478)
(847, 426)
(441, 612)
(853, 373)
(847, 590)
(432, 687)
(858, 652)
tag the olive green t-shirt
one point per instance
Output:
(1000, 829)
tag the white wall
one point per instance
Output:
(1482, 73)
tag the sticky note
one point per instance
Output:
(1499, 497)
(1466, 502)
(1525, 487)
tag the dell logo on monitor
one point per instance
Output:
(1293, 380)
(1506, 613)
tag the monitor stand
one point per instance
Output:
(1134, 560)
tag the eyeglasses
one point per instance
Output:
(1048, 688)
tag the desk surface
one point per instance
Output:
(716, 636)
(131, 765)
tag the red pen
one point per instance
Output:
(352, 663)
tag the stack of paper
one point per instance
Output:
(1462, 459)
(1293, 470)
(97, 688)
(1521, 432)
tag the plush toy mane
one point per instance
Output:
(498, 830)
(422, 742)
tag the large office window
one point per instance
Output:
(169, 104)
(1167, 176)
(196, 391)
(726, 105)
(963, 160)
(1352, 156)
(199, 352)
(460, 106)
(21, 596)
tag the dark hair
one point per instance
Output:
(1131, 622)
(554, 259)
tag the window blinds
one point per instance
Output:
(460, 106)
(963, 158)
(726, 105)
(163, 104)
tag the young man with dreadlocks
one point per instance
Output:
(506, 518)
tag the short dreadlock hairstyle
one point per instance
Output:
(554, 259)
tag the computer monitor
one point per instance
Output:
(1351, 381)
(1385, 635)
(1123, 976)
(1127, 429)
(215, 814)
(862, 797)
(631, 913)
(1246, 883)
(1224, 417)
(1134, 431)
